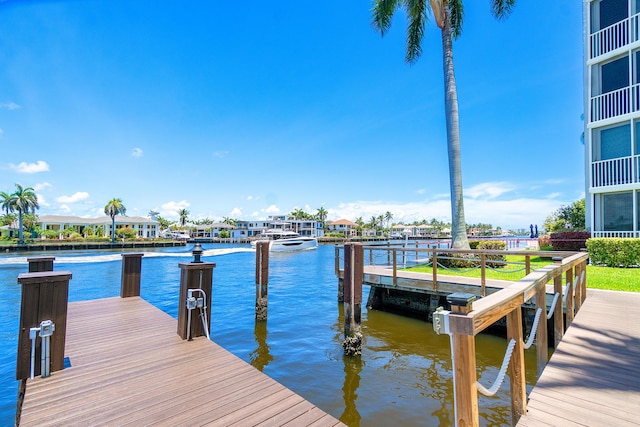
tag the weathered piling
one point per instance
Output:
(44, 298)
(131, 271)
(41, 263)
(353, 278)
(196, 280)
(262, 279)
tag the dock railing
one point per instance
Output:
(462, 324)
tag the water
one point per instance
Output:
(402, 378)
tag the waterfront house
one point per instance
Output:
(612, 117)
(253, 228)
(344, 226)
(145, 227)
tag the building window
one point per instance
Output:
(608, 12)
(614, 75)
(613, 142)
(616, 211)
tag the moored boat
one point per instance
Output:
(281, 240)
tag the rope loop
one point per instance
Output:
(553, 305)
(503, 370)
(534, 329)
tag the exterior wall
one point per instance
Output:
(145, 228)
(612, 117)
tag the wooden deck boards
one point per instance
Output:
(593, 377)
(129, 367)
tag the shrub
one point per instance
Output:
(569, 240)
(50, 234)
(464, 261)
(614, 252)
(544, 242)
(127, 233)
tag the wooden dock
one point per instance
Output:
(129, 367)
(593, 377)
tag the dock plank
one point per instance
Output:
(129, 367)
(593, 377)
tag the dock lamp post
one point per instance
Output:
(197, 253)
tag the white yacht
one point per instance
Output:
(282, 239)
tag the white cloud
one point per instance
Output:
(65, 208)
(249, 197)
(41, 200)
(236, 213)
(24, 167)
(488, 190)
(421, 191)
(170, 209)
(9, 105)
(220, 154)
(42, 186)
(137, 152)
(76, 197)
(271, 210)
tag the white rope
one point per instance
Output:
(553, 305)
(566, 291)
(503, 370)
(534, 329)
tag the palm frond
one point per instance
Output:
(502, 8)
(417, 11)
(382, 12)
(456, 14)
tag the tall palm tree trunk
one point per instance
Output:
(20, 234)
(113, 229)
(458, 224)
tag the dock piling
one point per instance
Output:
(353, 278)
(262, 279)
(131, 270)
(41, 263)
(195, 276)
(44, 298)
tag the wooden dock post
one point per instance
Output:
(130, 281)
(517, 380)
(195, 275)
(262, 279)
(464, 360)
(353, 278)
(41, 263)
(542, 350)
(44, 297)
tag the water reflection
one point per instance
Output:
(260, 357)
(352, 369)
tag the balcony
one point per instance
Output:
(620, 234)
(615, 103)
(614, 36)
(620, 171)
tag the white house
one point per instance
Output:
(253, 228)
(145, 227)
(344, 226)
(612, 117)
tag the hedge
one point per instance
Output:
(462, 261)
(569, 240)
(614, 252)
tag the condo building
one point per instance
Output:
(612, 117)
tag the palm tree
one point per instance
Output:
(388, 216)
(322, 216)
(183, 214)
(22, 200)
(5, 202)
(114, 207)
(448, 16)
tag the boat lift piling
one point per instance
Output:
(262, 279)
(353, 278)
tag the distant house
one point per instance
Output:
(145, 227)
(254, 228)
(344, 226)
(8, 231)
(208, 231)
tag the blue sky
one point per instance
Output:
(246, 110)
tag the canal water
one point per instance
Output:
(402, 378)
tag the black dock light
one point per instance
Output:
(197, 253)
(461, 302)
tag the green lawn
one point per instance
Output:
(617, 279)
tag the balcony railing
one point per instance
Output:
(623, 170)
(614, 36)
(621, 234)
(615, 103)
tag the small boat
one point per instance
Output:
(281, 240)
(176, 234)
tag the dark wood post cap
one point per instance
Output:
(461, 302)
